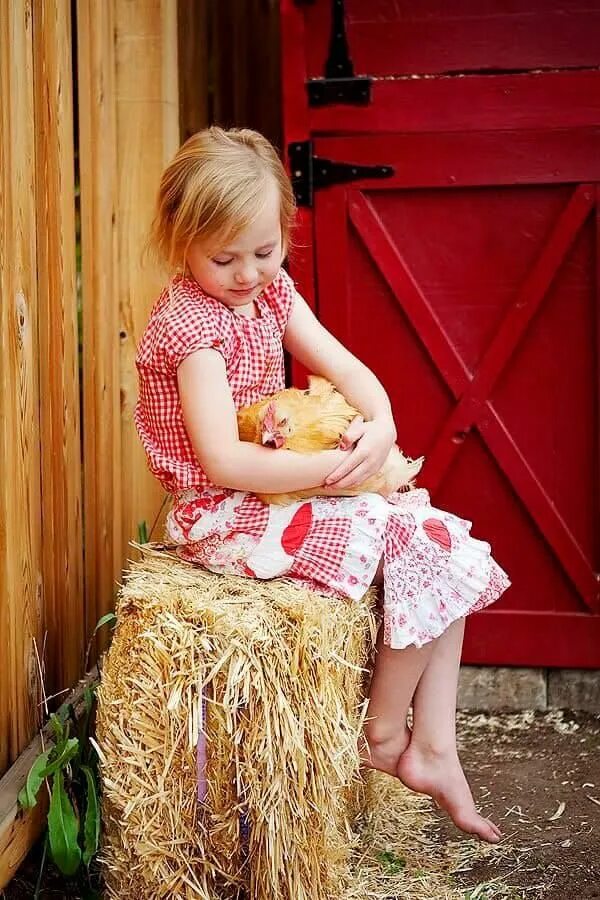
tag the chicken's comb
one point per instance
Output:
(270, 417)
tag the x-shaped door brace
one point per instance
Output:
(472, 392)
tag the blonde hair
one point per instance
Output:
(215, 186)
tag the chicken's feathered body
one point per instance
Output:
(312, 420)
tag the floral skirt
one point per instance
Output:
(434, 571)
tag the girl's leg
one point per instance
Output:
(430, 764)
(393, 683)
(396, 674)
(426, 759)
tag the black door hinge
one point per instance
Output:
(340, 84)
(310, 172)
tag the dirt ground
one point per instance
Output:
(537, 775)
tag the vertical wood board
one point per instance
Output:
(147, 136)
(102, 484)
(20, 548)
(58, 357)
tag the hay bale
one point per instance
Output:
(281, 670)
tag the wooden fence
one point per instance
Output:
(93, 97)
(86, 149)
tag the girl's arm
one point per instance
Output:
(210, 420)
(319, 352)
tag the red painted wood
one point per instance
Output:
(331, 218)
(480, 158)
(470, 103)
(541, 507)
(597, 248)
(522, 478)
(296, 128)
(499, 342)
(450, 437)
(527, 302)
(395, 38)
(565, 640)
(388, 259)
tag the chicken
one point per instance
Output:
(311, 420)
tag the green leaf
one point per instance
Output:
(105, 620)
(57, 724)
(66, 752)
(91, 824)
(63, 828)
(72, 715)
(35, 778)
(63, 711)
(83, 727)
(89, 695)
(142, 532)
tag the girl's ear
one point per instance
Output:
(319, 386)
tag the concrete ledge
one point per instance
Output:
(496, 688)
(574, 689)
(508, 688)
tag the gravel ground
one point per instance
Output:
(536, 774)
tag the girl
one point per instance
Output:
(214, 343)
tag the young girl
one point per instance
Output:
(214, 343)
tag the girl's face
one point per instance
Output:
(235, 274)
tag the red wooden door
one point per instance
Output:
(468, 281)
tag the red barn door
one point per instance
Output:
(459, 260)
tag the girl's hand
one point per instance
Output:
(372, 442)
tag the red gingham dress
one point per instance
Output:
(434, 571)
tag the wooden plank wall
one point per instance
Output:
(128, 113)
(21, 601)
(100, 363)
(232, 47)
(88, 117)
(60, 439)
(147, 137)
(93, 98)
(246, 66)
(125, 106)
(193, 63)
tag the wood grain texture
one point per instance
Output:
(58, 359)
(246, 83)
(147, 115)
(193, 66)
(399, 37)
(20, 535)
(559, 99)
(102, 479)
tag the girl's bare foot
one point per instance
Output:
(440, 775)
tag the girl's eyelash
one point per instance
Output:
(225, 262)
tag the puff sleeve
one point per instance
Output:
(183, 325)
(280, 296)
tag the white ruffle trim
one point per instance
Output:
(441, 574)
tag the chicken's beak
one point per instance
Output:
(272, 439)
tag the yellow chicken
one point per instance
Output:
(316, 419)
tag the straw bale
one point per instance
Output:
(282, 671)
